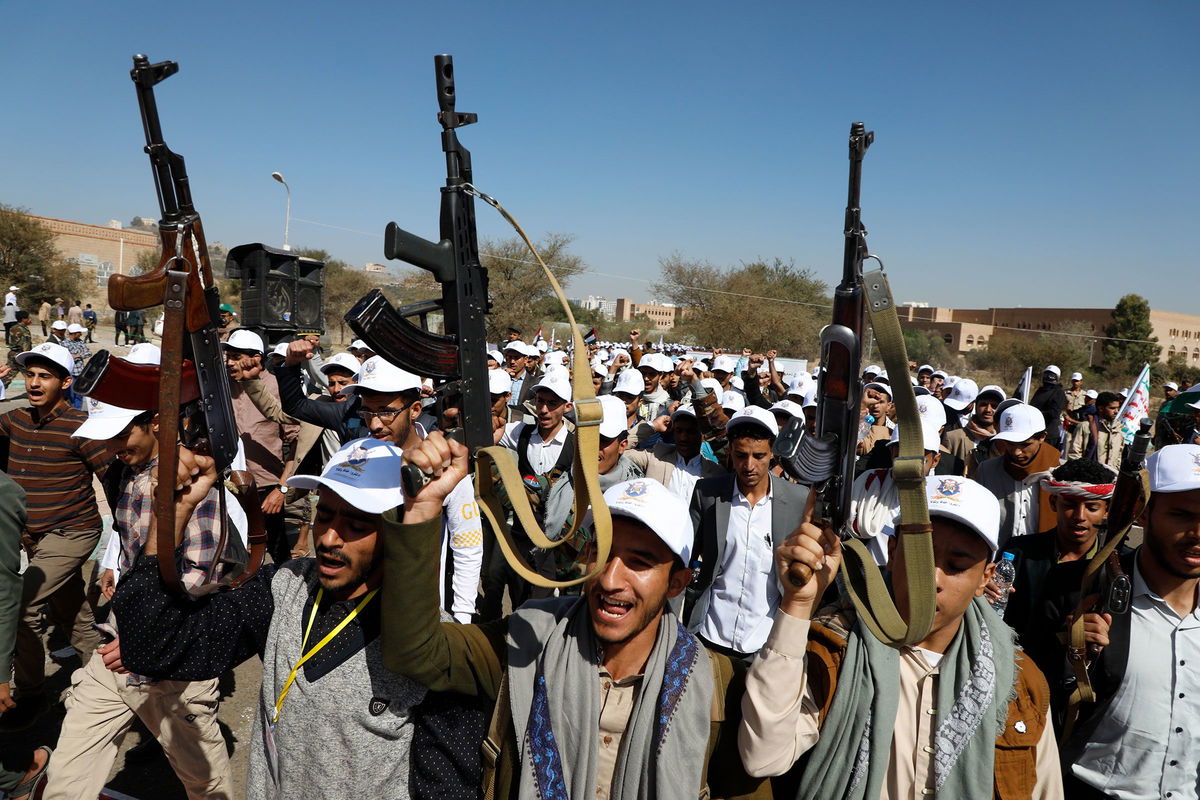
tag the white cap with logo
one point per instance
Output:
(656, 507)
(50, 351)
(365, 473)
(733, 400)
(754, 415)
(499, 382)
(558, 385)
(724, 364)
(965, 501)
(1171, 385)
(790, 407)
(931, 410)
(1019, 422)
(59, 325)
(344, 361)
(1076, 376)
(104, 421)
(1052, 369)
(379, 375)
(963, 394)
(1175, 468)
(75, 327)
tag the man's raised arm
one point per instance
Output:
(442, 656)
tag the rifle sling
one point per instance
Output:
(863, 579)
(1077, 654)
(585, 467)
(170, 381)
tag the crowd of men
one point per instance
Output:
(404, 655)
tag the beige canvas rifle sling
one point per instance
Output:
(585, 467)
(862, 577)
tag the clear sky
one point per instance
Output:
(1026, 153)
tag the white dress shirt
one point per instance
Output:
(744, 592)
(542, 455)
(1148, 744)
(689, 465)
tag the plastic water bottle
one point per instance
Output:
(1006, 573)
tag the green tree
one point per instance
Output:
(1133, 342)
(757, 304)
(517, 285)
(30, 261)
(926, 347)
(1067, 346)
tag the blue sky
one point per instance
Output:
(1026, 153)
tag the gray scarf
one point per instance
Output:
(850, 759)
(553, 672)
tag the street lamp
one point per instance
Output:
(287, 218)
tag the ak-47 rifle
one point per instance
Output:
(1129, 499)
(827, 458)
(459, 356)
(183, 283)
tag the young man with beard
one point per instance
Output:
(105, 697)
(55, 470)
(1012, 475)
(1079, 491)
(668, 463)
(332, 721)
(960, 714)
(1140, 738)
(605, 695)
(970, 443)
(739, 519)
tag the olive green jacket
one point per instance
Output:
(471, 659)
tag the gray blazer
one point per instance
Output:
(711, 501)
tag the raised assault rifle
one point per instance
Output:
(457, 357)
(183, 283)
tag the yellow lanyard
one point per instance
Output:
(287, 687)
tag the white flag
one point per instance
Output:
(1022, 390)
(1137, 405)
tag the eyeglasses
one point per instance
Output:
(386, 416)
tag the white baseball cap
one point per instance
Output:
(58, 325)
(13, 289)
(496, 355)
(598, 367)
(924, 368)
(630, 381)
(365, 473)
(700, 366)
(657, 362)
(1175, 468)
(733, 401)
(1019, 422)
(1076, 376)
(51, 352)
(280, 349)
(243, 339)
(713, 385)
(930, 437)
(1171, 385)
(963, 394)
(810, 397)
(754, 415)
(1125, 392)
(1053, 369)
(951, 381)
(880, 387)
(684, 411)
(931, 411)
(619, 352)
(541, 346)
(379, 375)
(992, 388)
(615, 419)
(1091, 394)
(558, 385)
(789, 407)
(872, 370)
(799, 384)
(656, 507)
(965, 501)
(358, 344)
(724, 364)
(342, 361)
(104, 421)
(519, 347)
(75, 327)
(939, 373)
(499, 382)
(555, 358)
(144, 353)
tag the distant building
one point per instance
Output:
(100, 250)
(372, 267)
(966, 329)
(665, 316)
(606, 307)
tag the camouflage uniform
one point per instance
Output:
(80, 352)
(20, 341)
